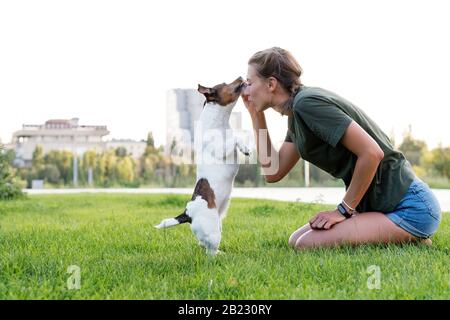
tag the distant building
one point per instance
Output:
(134, 148)
(59, 135)
(183, 110)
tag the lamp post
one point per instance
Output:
(75, 168)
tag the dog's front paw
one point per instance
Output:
(245, 150)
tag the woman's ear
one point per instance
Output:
(272, 83)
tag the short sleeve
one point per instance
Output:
(288, 137)
(288, 132)
(326, 120)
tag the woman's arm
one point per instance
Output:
(369, 154)
(275, 164)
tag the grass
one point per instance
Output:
(121, 256)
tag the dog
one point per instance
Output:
(215, 172)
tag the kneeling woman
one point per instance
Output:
(384, 201)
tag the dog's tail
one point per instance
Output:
(182, 218)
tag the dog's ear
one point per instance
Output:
(209, 93)
(204, 90)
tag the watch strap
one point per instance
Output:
(342, 210)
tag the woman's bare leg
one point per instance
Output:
(297, 233)
(367, 227)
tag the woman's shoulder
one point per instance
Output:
(306, 92)
(306, 95)
(309, 96)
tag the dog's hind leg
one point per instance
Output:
(212, 244)
(202, 189)
(224, 208)
(182, 218)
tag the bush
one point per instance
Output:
(9, 191)
(8, 188)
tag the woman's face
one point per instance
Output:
(257, 90)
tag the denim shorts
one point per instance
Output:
(419, 212)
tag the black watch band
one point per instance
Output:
(343, 211)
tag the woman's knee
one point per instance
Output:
(298, 233)
(316, 239)
(293, 239)
(305, 241)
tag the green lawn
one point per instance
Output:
(121, 256)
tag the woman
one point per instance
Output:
(384, 201)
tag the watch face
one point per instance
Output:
(343, 211)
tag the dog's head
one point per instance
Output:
(223, 94)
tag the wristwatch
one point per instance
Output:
(343, 211)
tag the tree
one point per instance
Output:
(150, 140)
(121, 152)
(150, 148)
(125, 169)
(413, 149)
(63, 160)
(247, 172)
(8, 187)
(38, 157)
(106, 168)
(440, 161)
(152, 164)
(50, 173)
(147, 167)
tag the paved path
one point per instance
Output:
(319, 195)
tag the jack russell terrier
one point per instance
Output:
(217, 166)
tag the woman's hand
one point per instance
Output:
(325, 220)
(248, 104)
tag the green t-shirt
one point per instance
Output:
(318, 123)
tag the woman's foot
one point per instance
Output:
(426, 242)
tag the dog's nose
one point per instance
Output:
(240, 79)
(241, 87)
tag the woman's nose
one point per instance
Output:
(246, 90)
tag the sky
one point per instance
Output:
(112, 62)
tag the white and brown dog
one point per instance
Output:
(217, 166)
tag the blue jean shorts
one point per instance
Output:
(419, 212)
